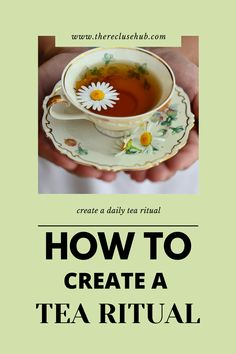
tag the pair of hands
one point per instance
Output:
(186, 74)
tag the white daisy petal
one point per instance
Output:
(148, 149)
(111, 97)
(83, 99)
(108, 103)
(89, 104)
(96, 105)
(155, 144)
(103, 86)
(110, 94)
(157, 140)
(85, 104)
(151, 126)
(114, 91)
(110, 88)
(135, 130)
(136, 141)
(107, 99)
(103, 106)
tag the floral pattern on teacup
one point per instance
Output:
(99, 73)
(107, 58)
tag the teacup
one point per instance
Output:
(66, 106)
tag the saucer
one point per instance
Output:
(83, 143)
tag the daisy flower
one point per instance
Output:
(97, 96)
(147, 137)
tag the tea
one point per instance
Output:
(139, 90)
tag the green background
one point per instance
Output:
(205, 278)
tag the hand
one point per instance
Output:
(49, 74)
(186, 74)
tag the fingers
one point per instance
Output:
(108, 176)
(47, 151)
(138, 176)
(155, 174)
(92, 172)
(87, 171)
(159, 173)
(185, 157)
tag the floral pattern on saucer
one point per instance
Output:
(78, 148)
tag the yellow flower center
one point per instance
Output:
(146, 139)
(97, 95)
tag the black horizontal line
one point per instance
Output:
(98, 225)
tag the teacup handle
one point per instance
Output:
(60, 108)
